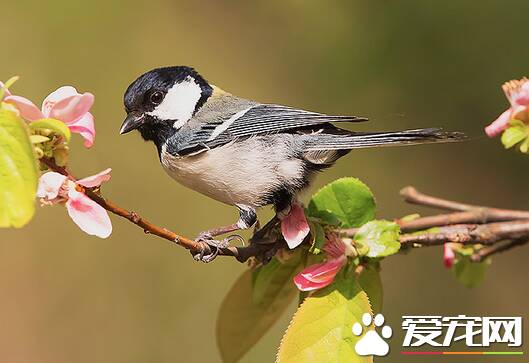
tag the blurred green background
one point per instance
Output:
(68, 297)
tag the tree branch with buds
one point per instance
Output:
(471, 225)
(240, 253)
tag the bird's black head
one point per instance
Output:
(161, 101)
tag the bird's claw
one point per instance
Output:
(210, 248)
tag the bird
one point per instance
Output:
(242, 152)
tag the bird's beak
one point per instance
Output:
(132, 122)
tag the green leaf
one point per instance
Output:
(371, 283)
(321, 329)
(348, 199)
(524, 146)
(56, 126)
(515, 133)
(18, 172)
(273, 275)
(470, 273)
(318, 234)
(254, 303)
(325, 217)
(381, 237)
(516, 123)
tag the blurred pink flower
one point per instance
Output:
(294, 226)
(449, 255)
(88, 215)
(322, 274)
(517, 92)
(66, 105)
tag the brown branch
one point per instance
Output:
(485, 252)
(466, 213)
(485, 234)
(480, 215)
(413, 196)
(477, 216)
(470, 224)
(240, 253)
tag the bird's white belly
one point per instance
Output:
(236, 173)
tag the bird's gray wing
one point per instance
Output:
(256, 119)
(266, 119)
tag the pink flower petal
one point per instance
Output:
(520, 113)
(500, 124)
(334, 247)
(27, 109)
(49, 185)
(319, 275)
(86, 128)
(294, 226)
(88, 215)
(321, 272)
(72, 108)
(57, 96)
(522, 98)
(448, 256)
(95, 180)
(305, 285)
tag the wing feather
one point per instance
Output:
(268, 118)
(256, 120)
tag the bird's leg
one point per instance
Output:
(214, 232)
(247, 218)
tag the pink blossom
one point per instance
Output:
(95, 180)
(517, 92)
(66, 105)
(88, 215)
(449, 255)
(322, 274)
(294, 226)
(335, 246)
(49, 185)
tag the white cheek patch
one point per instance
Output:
(179, 103)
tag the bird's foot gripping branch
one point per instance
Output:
(335, 270)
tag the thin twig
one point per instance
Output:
(478, 216)
(485, 252)
(484, 234)
(241, 253)
(413, 196)
(466, 213)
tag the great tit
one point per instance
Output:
(242, 152)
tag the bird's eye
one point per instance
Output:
(156, 98)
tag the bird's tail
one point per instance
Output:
(356, 140)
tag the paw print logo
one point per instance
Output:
(372, 343)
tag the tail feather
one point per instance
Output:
(356, 140)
